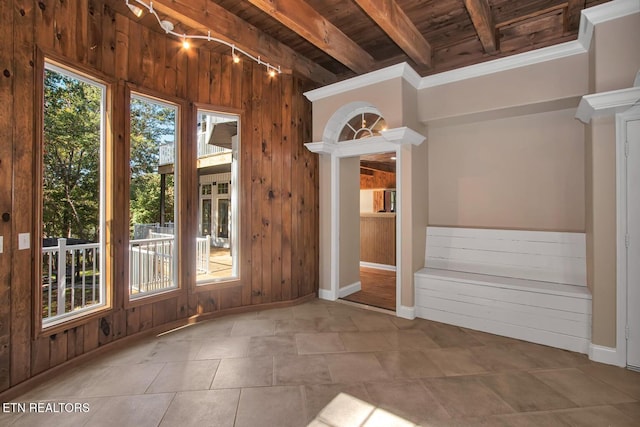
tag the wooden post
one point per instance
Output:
(163, 190)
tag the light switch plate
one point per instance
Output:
(24, 241)
(1, 244)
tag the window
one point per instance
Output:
(362, 125)
(152, 196)
(73, 195)
(218, 139)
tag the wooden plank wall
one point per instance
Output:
(376, 179)
(278, 176)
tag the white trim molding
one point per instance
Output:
(345, 291)
(389, 140)
(327, 294)
(406, 312)
(402, 70)
(602, 354)
(607, 103)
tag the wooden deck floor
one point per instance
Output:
(378, 289)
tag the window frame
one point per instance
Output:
(235, 184)
(180, 219)
(46, 59)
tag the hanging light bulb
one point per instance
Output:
(135, 9)
(236, 57)
(185, 43)
(272, 72)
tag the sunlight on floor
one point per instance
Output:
(347, 411)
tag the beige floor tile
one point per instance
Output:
(224, 347)
(374, 322)
(120, 380)
(455, 361)
(410, 339)
(205, 330)
(272, 345)
(596, 417)
(325, 342)
(406, 323)
(632, 410)
(466, 397)
(244, 372)
(310, 311)
(365, 341)
(580, 388)
(448, 335)
(622, 379)
(202, 408)
(408, 399)
(501, 358)
(346, 411)
(317, 423)
(317, 396)
(524, 393)
(253, 328)
(335, 324)
(173, 351)
(408, 364)
(486, 338)
(261, 407)
(298, 370)
(531, 419)
(276, 314)
(184, 376)
(136, 353)
(355, 367)
(295, 326)
(549, 357)
(139, 411)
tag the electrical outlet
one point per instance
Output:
(24, 241)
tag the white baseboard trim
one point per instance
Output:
(326, 294)
(406, 312)
(349, 289)
(602, 354)
(378, 266)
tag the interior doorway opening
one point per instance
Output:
(378, 206)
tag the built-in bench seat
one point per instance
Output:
(529, 285)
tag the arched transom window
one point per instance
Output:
(362, 125)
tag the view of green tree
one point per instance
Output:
(152, 125)
(71, 173)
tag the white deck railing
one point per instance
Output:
(167, 151)
(70, 279)
(203, 251)
(151, 264)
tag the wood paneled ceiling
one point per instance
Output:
(329, 40)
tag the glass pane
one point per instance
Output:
(218, 139)
(152, 196)
(72, 199)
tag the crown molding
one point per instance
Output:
(607, 103)
(589, 19)
(402, 70)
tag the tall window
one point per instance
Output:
(152, 201)
(218, 139)
(72, 195)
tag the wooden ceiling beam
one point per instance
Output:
(483, 22)
(300, 17)
(393, 21)
(378, 166)
(572, 18)
(204, 16)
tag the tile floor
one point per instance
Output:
(332, 364)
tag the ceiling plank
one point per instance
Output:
(483, 22)
(300, 17)
(204, 16)
(393, 21)
(572, 19)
